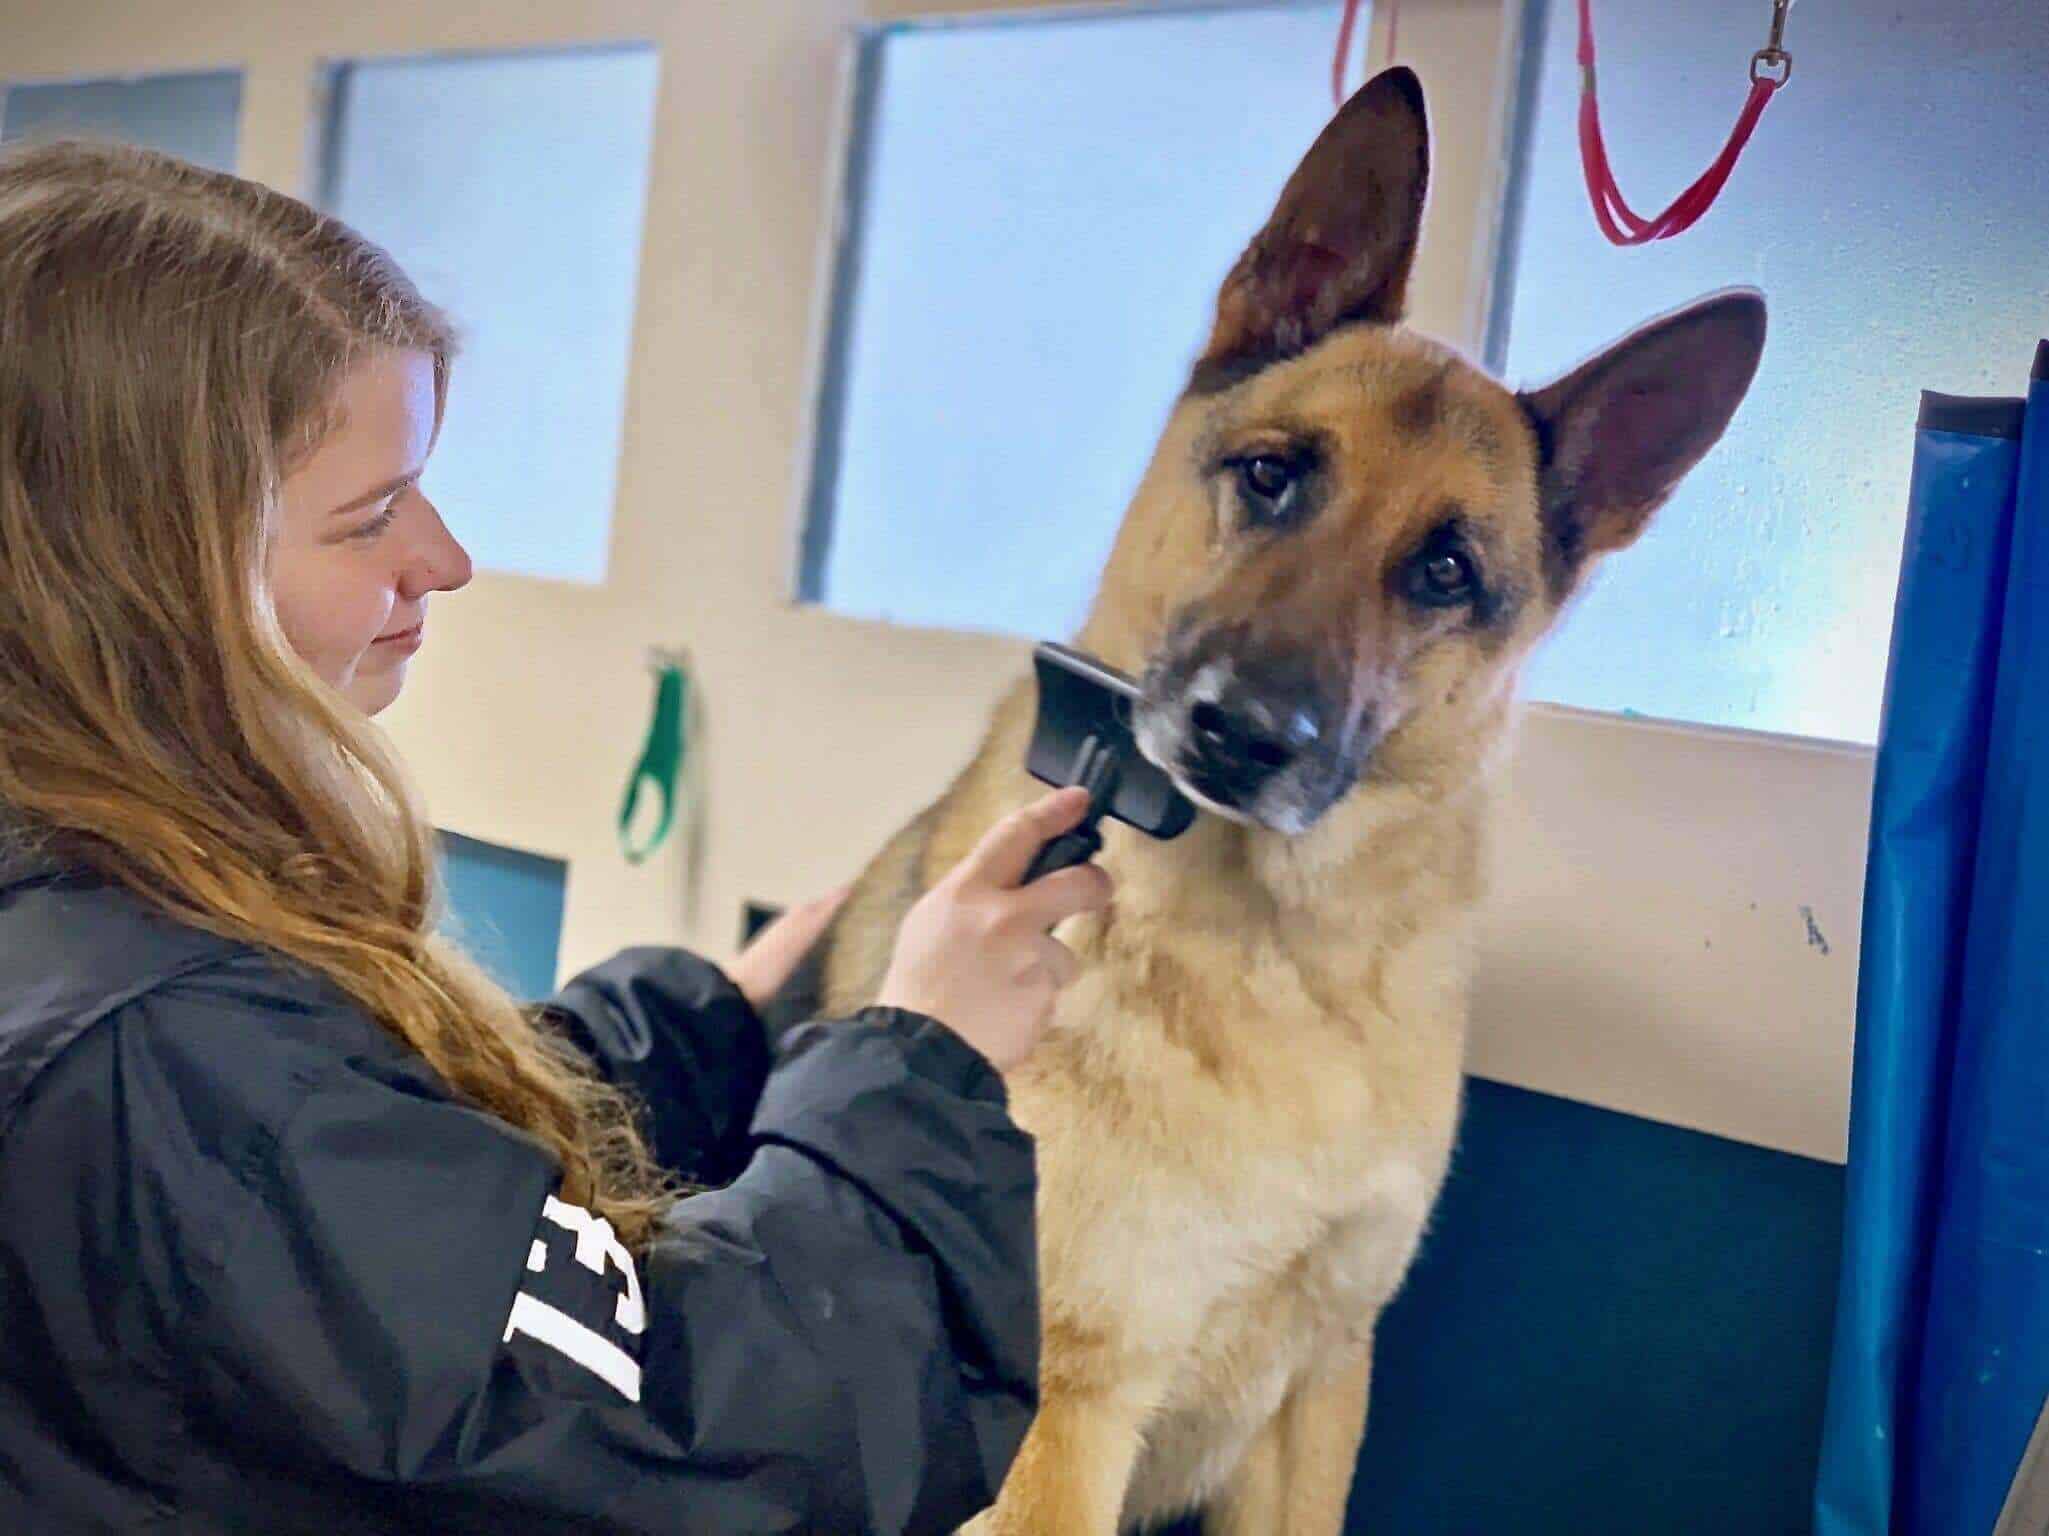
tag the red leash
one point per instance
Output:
(1770, 68)
(1346, 23)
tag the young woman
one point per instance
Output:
(304, 1226)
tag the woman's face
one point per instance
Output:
(359, 547)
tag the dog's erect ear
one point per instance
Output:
(1341, 241)
(1616, 435)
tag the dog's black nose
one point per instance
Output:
(1237, 744)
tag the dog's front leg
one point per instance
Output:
(1071, 1474)
(1296, 1476)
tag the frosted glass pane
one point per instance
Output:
(195, 117)
(1044, 212)
(511, 187)
(1891, 207)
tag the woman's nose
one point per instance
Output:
(439, 562)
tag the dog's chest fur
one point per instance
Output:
(1239, 1146)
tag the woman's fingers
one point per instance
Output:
(1006, 850)
(770, 960)
(1059, 961)
(1052, 899)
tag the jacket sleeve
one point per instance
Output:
(671, 1027)
(395, 1310)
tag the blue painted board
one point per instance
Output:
(505, 905)
(1615, 1328)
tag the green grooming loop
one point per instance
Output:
(661, 760)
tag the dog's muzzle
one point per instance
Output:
(1253, 741)
(1237, 743)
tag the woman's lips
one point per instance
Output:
(405, 642)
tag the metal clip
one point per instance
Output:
(1773, 56)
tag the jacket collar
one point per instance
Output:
(22, 857)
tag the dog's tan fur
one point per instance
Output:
(1246, 1103)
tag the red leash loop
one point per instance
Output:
(1770, 67)
(1346, 25)
(1619, 222)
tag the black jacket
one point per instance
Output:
(258, 1271)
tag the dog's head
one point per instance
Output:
(1350, 537)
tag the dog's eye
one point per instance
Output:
(1269, 474)
(1443, 578)
(1448, 574)
(1271, 485)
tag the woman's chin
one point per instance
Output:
(373, 692)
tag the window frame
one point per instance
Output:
(327, 134)
(1451, 297)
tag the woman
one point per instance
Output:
(304, 1226)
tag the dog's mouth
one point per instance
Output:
(1260, 757)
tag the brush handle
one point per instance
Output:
(1065, 851)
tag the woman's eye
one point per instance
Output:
(1443, 577)
(1271, 485)
(377, 524)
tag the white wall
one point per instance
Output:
(1626, 962)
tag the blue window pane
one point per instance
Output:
(1893, 220)
(505, 908)
(196, 117)
(1042, 211)
(511, 187)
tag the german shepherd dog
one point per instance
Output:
(1347, 542)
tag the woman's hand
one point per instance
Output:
(976, 952)
(766, 963)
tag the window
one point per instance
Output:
(1038, 214)
(192, 116)
(511, 187)
(1894, 222)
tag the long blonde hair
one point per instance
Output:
(171, 343)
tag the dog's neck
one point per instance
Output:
(1337, 896)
